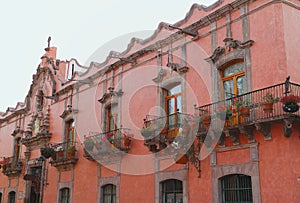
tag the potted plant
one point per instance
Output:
(47, 152)
(206, 119)
(71, 151)
(224, 112)
(290, 103)
(243, 106)
(147, 132)
(59, 152)
(88, 144)
(269, 101)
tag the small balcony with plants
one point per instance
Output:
(11, 166)
(160, 131)
(256, 110)
(115, 142)
(63, 155)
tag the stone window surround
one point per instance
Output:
(251, 169)
(181, 175)
(110, 180)
(62, 185)
(2, 192)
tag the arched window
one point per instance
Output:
(108, 193)
(64, 195)
(233, 80)
(11, 197)
(236, 188)
(172, 191)
(70, 133)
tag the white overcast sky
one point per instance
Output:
(77, 28)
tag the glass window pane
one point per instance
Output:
(109, 193)
(179, 104)
(241, 85)
(175, 90)
(236, 188)
(172, 191)
(235, 68)
(228, 89)
(171, 105)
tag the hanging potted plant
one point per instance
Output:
(88, 144)
(290, 103)
(269, 102)
(206, 120)
(47, 152)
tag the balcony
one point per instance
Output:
(11, 166)
(160, 131)
(65, 156)
(116, 142)
(229, 116)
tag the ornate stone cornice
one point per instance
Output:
(110, 94)
(68, 111)
(230, 45)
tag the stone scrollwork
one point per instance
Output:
(265, 129)
(288, 126)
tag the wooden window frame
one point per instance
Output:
(233, 76)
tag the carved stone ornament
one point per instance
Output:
(265, 129)
(230, 44)
(68, 111)
(249, 132)
(159, 76)
(288, 126)
(110, 94)
(234, 44)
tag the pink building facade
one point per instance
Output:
(179, 117)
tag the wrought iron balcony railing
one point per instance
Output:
(232, 110)
(11, 166)
(108, 142)
(158, 131)
(65, 154)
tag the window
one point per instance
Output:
(172, 191)
(0, 197)
(109, 193)
(69, 133)
(173, 105)
(236, 188)
(111, 119)
(17, 151)
(64, 195)
(233, 80)
(11, 197)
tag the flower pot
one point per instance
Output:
(206, 120)
(127, 142)
(98, 145)
(89, 146)
(60, 154)
(147, 133)
(268, 107)
(70, 154)
(290, 108)
(245, 112)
